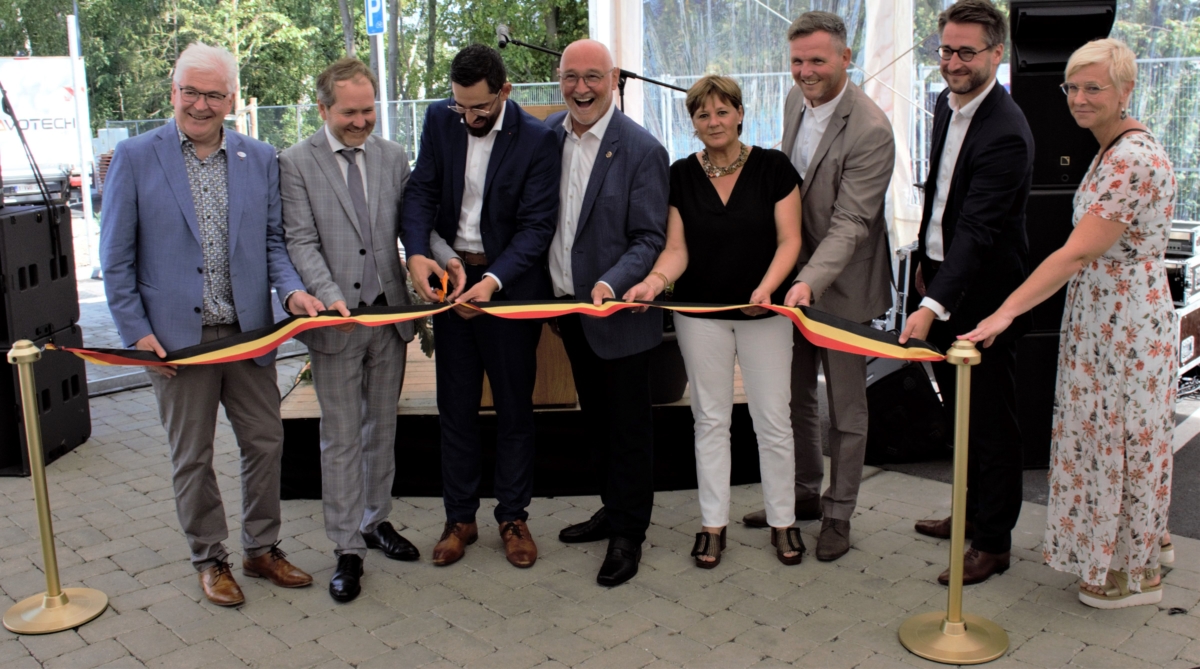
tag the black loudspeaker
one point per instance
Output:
(1037, 368)
(1044, 35)
(1048, 223)
(37, 273)
(906, 422)
(62, 400)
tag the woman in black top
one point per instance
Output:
(740, 209)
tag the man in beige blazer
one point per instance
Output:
(841, 143)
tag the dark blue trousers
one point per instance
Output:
(507, 350)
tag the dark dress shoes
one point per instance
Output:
(595, 528)
(806, 509)
(394, 546)
(978, 566)
(940, 529)
(621, 562)
(344, 586)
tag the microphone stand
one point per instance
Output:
(505, 39)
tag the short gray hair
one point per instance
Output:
(813, 22)
(1113, 53)
(202, 57)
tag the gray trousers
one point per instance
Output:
(358, 389)
(846, 387)
(187, 404)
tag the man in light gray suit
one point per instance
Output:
(341, 191)
(842, 144)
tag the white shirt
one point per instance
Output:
(479, 151)
(579, 155)
(359, 159)
(812, 128)
(960, 121)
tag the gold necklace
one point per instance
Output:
(713, 171)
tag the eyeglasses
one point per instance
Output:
(966, 54)
(483, 110)
(191, 95)
(591, 79)
(1089, 90)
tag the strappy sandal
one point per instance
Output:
(1117, 594)
(792, 543)
(708, 544)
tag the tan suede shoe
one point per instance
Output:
(518, 543)
(455, 539)
(218, 585)
(273, 566)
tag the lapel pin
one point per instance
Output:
(608, 155)
(242, 155)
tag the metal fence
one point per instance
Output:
(1166, 99)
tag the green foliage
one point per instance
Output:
(281, 45)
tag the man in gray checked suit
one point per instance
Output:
(341, 191)
(842, 144)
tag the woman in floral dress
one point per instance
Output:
(1110, 476)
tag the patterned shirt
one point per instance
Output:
(209, 181)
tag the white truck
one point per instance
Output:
(43, 99)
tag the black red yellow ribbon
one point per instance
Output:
(822, 329)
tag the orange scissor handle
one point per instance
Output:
(442, 292)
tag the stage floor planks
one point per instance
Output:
(419, 397)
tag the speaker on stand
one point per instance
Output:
(1044, 34)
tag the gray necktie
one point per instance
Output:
(370, 281)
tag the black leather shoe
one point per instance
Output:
(344, 585)
(595, 528)
(621, 562)
(394, 546)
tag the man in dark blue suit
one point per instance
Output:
(973, 253)
(612, 223)
(486, 181)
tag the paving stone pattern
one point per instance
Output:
(114, 515)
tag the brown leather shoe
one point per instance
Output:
(940, 529)
(274, 567)
(455, 539)
(978, 566)
(518, 543)
(218, 585)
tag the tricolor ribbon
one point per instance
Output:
(822, 329)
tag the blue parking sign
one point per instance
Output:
(374, 17)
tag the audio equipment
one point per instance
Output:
(905, 419)
(38, 295)
(1184, 241)
(1183, 277)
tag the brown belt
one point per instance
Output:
(473, 259)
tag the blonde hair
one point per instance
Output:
(1122, 68)
(204, 58)
(726, 89)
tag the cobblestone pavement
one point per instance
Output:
(117, 531)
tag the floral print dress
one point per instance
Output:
(1114, 405)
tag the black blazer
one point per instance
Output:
(520, 196)
(983, 227)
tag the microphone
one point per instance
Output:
(503, 37)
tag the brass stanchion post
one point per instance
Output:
(56, 609)
(955, 637)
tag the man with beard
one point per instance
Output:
(841, 143)
(972, 254)
(611, 227)
(341, 191)
(486, 181)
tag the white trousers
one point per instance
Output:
(763, 349)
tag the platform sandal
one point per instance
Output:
(708, 544)
(792, 542)
(1117, 594)
(1166, 550)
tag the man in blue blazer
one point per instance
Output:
(191, 243)
(612, 223)
(486, 181)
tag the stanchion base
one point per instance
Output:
(975, 641)
(40, 614)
